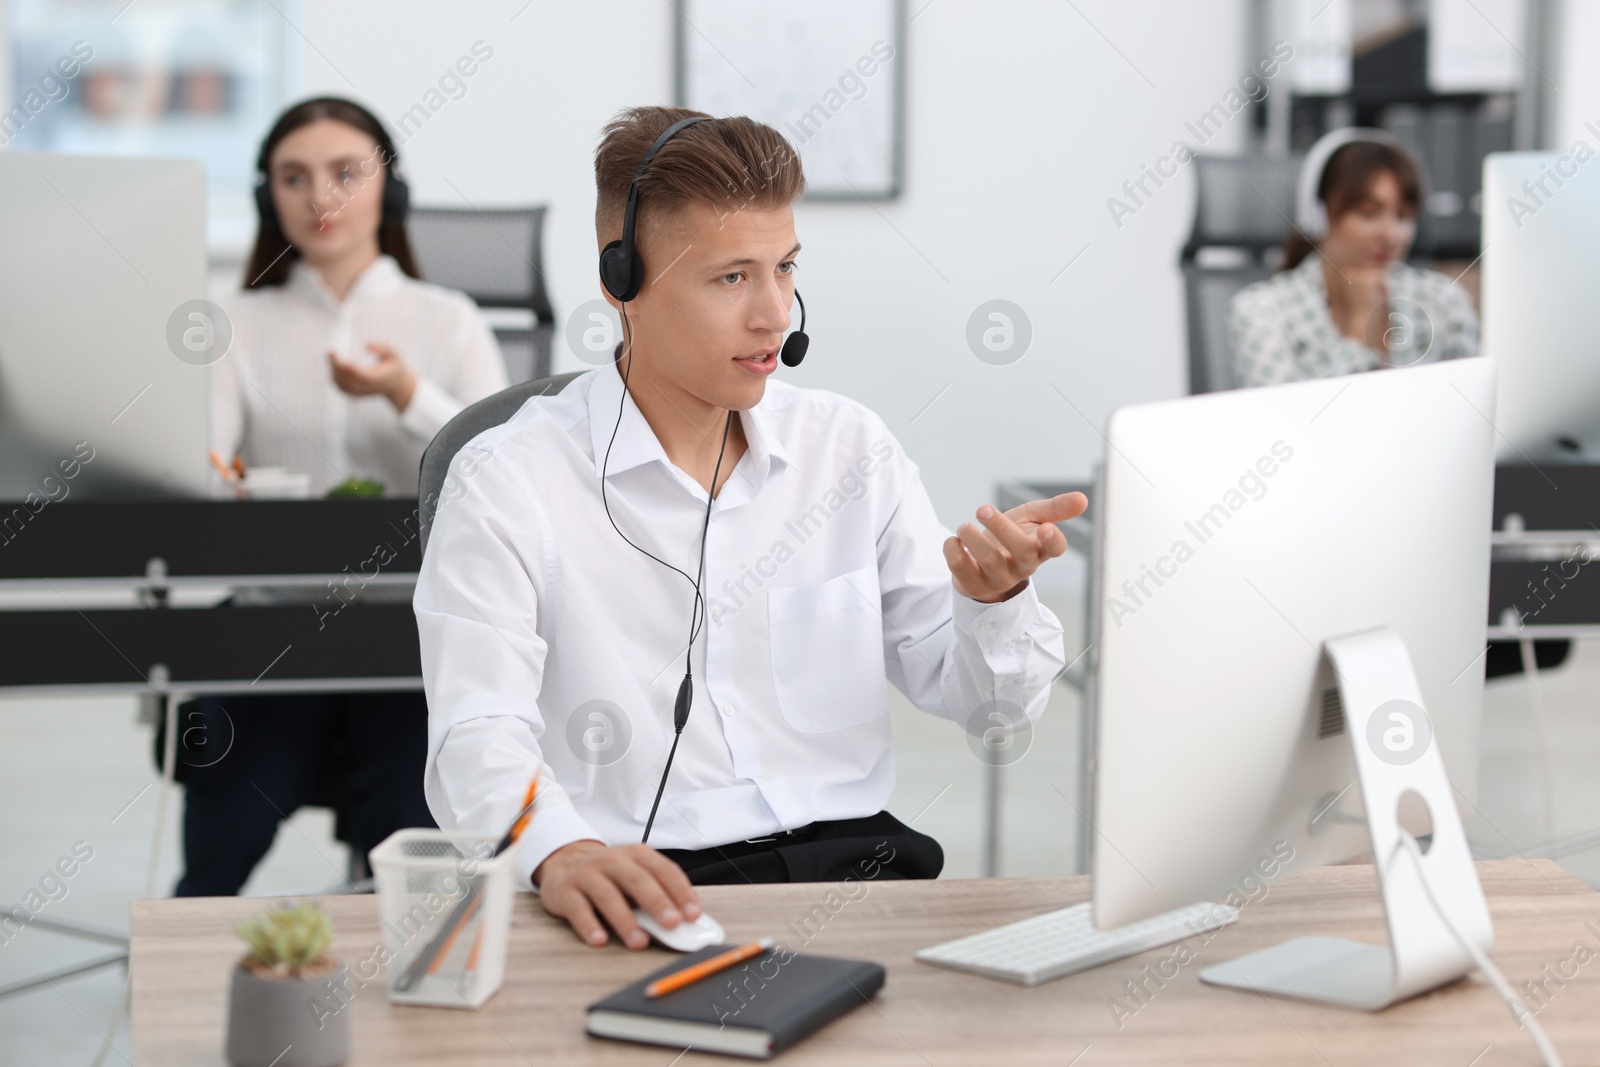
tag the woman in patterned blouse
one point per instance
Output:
(1347, 301)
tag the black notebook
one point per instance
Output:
(756, 1009)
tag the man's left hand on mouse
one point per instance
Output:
(990, 563)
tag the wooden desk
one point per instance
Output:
(925, 1015)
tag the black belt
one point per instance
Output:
(799, 833)
(749, 846)
(820, 851)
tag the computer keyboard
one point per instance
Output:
(1064, 942)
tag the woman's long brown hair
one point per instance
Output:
(273, 255)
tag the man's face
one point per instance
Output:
(717, 290)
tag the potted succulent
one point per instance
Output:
(287, 996)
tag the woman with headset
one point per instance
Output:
(1345, 300)
(344, 364)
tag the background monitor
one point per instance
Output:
(1541, 273)
(1241, 530)
(97, 259)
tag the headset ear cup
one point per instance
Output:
(621, 273)
(612, 268)
(396, 201)
(266, 210)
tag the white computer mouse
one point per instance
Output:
(686, 936)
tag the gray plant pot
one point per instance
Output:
(266, 1016)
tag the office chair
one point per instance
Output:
(487, 413)
(495, 256)
(1243, 210)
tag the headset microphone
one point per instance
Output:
(794, 349)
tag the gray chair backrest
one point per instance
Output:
(1245, 204)
(1242, 202)
(487, 413)
(1208, 291)
(495, 256)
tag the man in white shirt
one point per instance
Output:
(551, 645)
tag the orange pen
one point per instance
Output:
(690, 975)
(222, 468)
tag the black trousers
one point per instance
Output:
(876, 847)
(247, 763)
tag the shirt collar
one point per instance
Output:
(636, 443)
(382, 277)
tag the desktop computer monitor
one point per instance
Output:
(1289, 646)
(1265, 554)
(1541, 269)
(97, 264)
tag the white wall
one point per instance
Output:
(1022, 119)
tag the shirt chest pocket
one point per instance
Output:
(827, 652)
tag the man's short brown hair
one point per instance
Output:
(726, 164)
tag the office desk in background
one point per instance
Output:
(326, 550)
(183, 951)
(330, 582)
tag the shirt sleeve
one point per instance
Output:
(478, 602)
(1457, 334)
(477, 370)
(226, 386)
(974, 663)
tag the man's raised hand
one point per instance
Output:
(990, 563)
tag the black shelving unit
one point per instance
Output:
(1449, 133)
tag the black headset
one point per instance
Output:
(396, 194)
(622, 274)
(622, 269)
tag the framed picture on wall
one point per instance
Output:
(828, 74)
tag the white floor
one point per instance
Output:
(80, 771)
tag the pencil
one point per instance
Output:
(428, 960)
(690, 975)
(444, 949)
(520, 823)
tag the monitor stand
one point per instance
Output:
(1395, 755)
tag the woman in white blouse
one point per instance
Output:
(344, 363)
(1346, 300)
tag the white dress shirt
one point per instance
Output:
(274, 400)
(550, 644)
